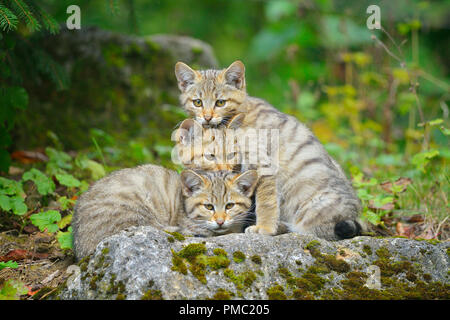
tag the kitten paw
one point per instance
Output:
(259, 230)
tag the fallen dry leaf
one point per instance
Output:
(404, 182)
(416, 218)
(20, 254)
(28, 156)
(30, 291)
(404, 230)
(388, 206)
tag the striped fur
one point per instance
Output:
(310, 193)
(155, 196)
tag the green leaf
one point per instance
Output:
(18, 97)
(275, 10)
(44, 184)
(46, 220)
(9, 264)
(435, 122)
(57, 160)
(68, 180)
(18, 205)
(445, 131)
(5, 203)
(12, 290)
(10, 187)
(371, 216)
(65, 239)
(363, 194)
(66, 203)
(420, 160)
(65, 221)
(96, 169)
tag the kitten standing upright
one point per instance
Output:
(309, 193)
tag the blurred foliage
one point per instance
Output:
(378, 99)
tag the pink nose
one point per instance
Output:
(207, 117)
(220, 222)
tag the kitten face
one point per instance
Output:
(218, 201)
(208, 148)
(211, 96)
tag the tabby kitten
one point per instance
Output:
(309, 194)
(194, 203)
(207, 148)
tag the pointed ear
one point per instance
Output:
(234, 75)
(236, 121)
(188, 129)
(191, 182)
(185, 75)
(246, 182)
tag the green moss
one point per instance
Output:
(176, 235)
(105, 251)
(84, 266)
(310, 282)
(198, 269)
(383, 253)
(256, 259)
(448, 252)
(191, 251)
(367, 249)
(287, 275)
(152, 294)
(430, 241)
(313, 245)
(178, 264)
(300, 294)
(222, 294)
(220, 252)
(318, 268)
(218, 262)
(198, 262)
(298, 262)
(411, 277)
(171, 239)
(334, 264)
(389, 269)
(427, 277)
(393, 288)
(276, 293)
(242, 280)
(238, 256)
(121, 296)
(93, 282)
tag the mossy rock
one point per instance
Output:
(141, 263)
(122, 84)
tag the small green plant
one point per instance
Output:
(12, 290)
(8, 264)
(12, 196)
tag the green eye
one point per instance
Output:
(197, 102)
(229, 206)
(220, 103)
(209, 206)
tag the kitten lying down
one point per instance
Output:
(204, 203)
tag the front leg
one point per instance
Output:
(267, 207)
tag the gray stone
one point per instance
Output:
(139, 261)
(124, 85)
